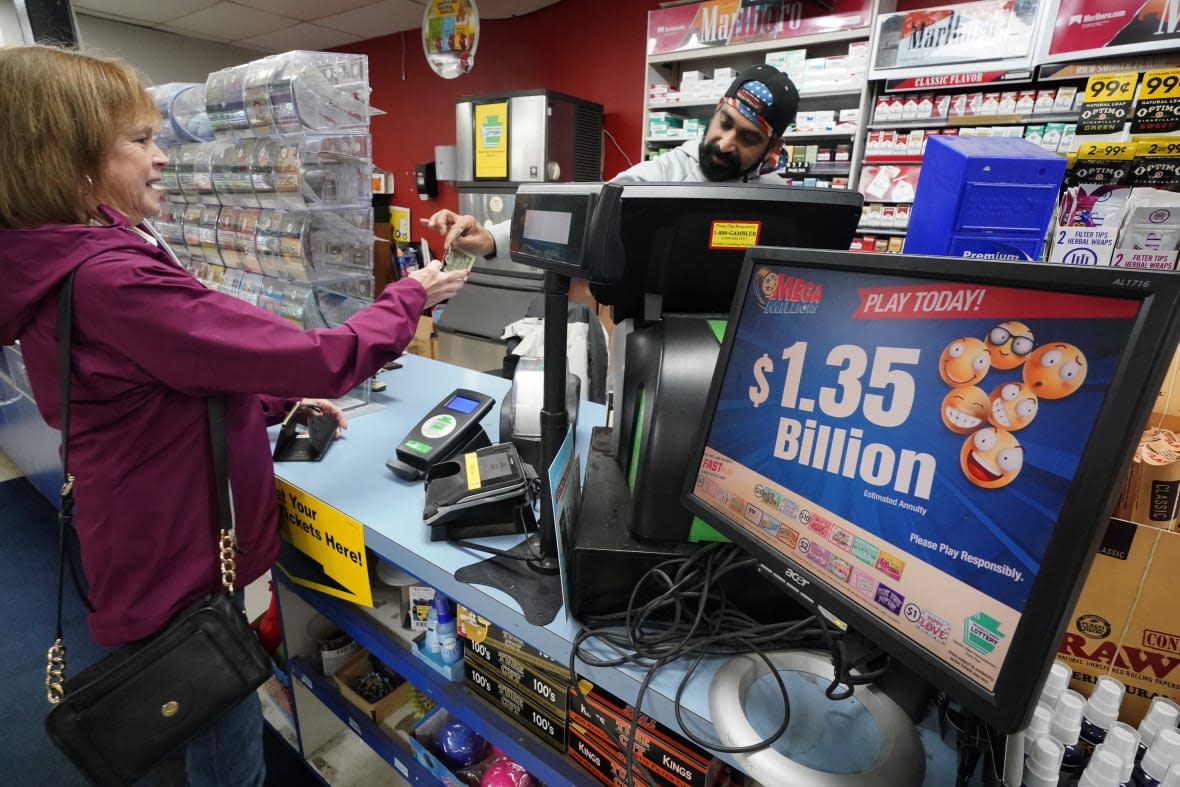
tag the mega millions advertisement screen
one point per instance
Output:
(909, 441)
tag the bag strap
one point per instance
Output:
(226, 540)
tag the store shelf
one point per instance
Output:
(815, 169)
(893, 160)
(725, 52)
(820, 134)
(521, 745)
(976, 120)
(711, 103)
(375, 736)
(880, 231)
(788, 136)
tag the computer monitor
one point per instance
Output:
(683, 243)
(929, 448)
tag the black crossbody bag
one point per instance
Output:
(121, 717)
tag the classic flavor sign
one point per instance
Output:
(725, 22)
(1097, 28)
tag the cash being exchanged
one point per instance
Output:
(457, 260)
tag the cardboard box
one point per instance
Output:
(548, 691)
(421, 343)
(1124, 624)
(541, 721)
(1165, 412)
(607, 764)
(602, 761)
(361, 664)
(657, 748)
(422, 743)
(479, 629)
(1150, 495)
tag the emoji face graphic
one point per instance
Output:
(991, 458)
(964, 361)
(964, 409)
(1009, 343)
(769, 282)
(1055, 370)
(1013, 406)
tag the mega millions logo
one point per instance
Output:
(779, 293)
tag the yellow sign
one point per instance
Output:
(1163, 83)
(1148, 147)
(1108, 151)
(329, 547)
(491, 140)
(734, 234)
(1111, 87)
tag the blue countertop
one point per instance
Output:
(353, 479)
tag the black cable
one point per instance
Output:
(679, 609)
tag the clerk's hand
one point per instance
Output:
(323, 407)
(439, 285)
(464, 231)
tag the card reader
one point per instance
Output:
(451, 426)
(487, 492)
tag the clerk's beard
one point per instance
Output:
(717, 165)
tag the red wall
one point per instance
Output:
(592, 49)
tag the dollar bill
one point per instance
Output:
(457, 260)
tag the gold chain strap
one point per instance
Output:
(229, 571)
(55, 672)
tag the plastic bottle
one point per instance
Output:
(1103, 770)
(1020, 743)
(1066, 729)
(1038, 725)
(1123, 740)
(432, 626)
(1101, 711)
(1042, 763)
(1163, 753)
(1161, 714)
(448, 636)
(1056, 682)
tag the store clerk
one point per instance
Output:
(741, 142)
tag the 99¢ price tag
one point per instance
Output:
(1106, 105)
(1158, 110)
(1108, 151)
(1149, 148)
(1110, 87)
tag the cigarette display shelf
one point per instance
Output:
(298, 605)
(790, 135)
(976, 120)
(893, 160)
(806, 98)
(881, 231)
(668, 68)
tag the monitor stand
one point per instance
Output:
(864, 741)
(536, 590)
